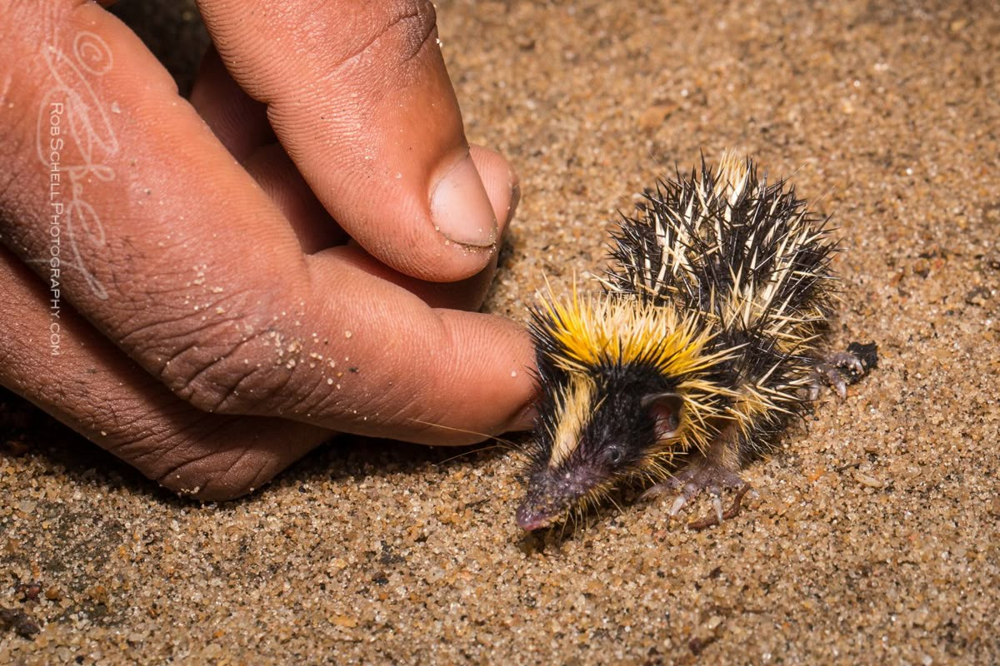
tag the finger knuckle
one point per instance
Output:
(215, 475)
(236, 375)
(401, 28)
(207, 457)
(215, 361)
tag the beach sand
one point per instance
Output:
(874, 538)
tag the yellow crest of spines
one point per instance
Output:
(590, 331)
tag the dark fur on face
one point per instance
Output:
(631, 412)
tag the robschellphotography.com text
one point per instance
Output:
(74, 135)
(57, 210)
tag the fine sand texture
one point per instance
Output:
(874, 538)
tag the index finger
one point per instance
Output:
(358, 93)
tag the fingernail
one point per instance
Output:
(461, 211)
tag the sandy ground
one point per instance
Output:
(875, 536)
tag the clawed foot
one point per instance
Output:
(696, 477)
(837, 371)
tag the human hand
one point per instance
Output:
(176, 287)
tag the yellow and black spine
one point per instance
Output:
(751, 263)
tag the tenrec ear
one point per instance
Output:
(665, 408)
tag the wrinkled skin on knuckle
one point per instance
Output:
(217, 475)
(197, 461)
(235, 375)
(221, 354)
(395, 56)
(353, 41)
(410, 23)
(384, 54)
(398, 29)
